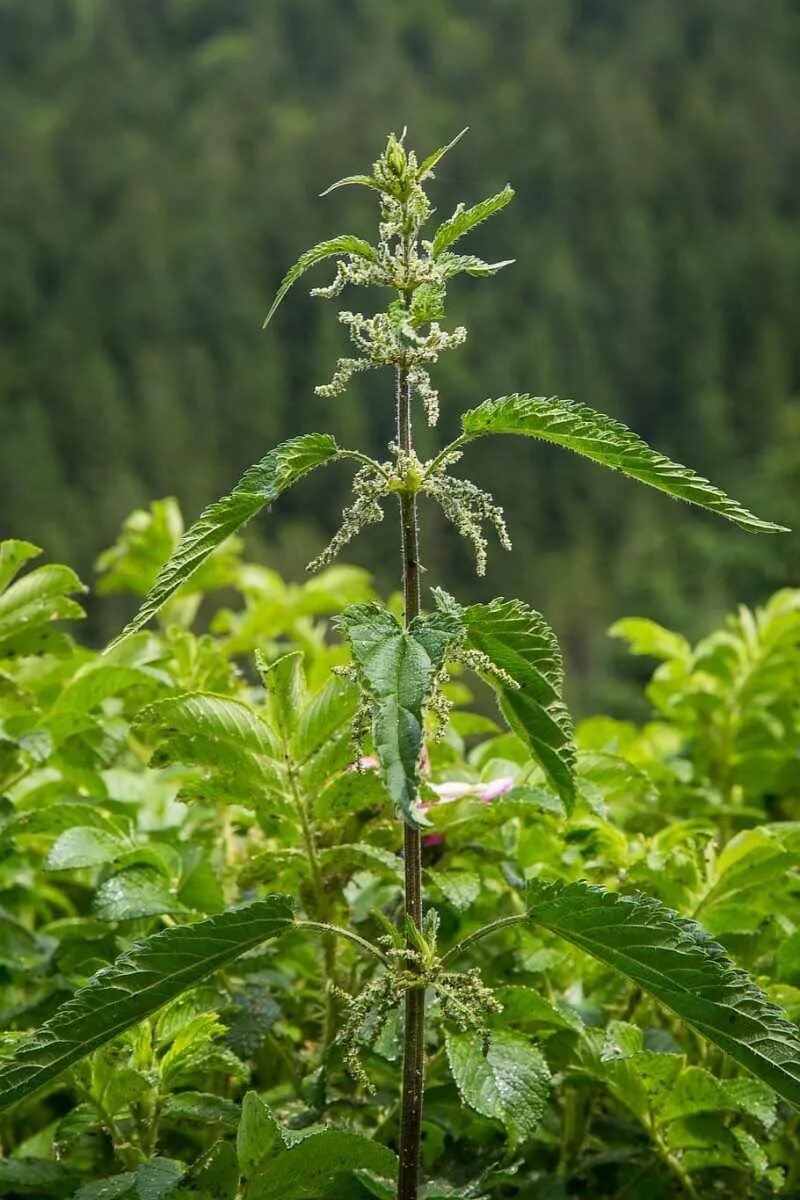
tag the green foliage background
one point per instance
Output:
(161, 161)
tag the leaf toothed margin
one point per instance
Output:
(675, 960)
(143, 979)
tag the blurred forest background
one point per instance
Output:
(161, 162)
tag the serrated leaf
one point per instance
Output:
(113, 1188)
(511, 1083)
(20, 950)
(141, 981)
(397, 668)
(302, 1170)
(203, 1107)
(327, 713)
(465, 219)
(36, 1177)
(221, 719)
(346, 243)
(137, 892)
(238, 757)
(470, 264)
(351, 792)
(461, 888)
(360, 855)
(215, 1175)
(259, 1135)
(31, 603)
(432, 1189)
(96, 682)
(260, 485)
(518, 641)
(674, 960)
(156, 1178)
(14, 553)
(608, 442)
(285, 684)
(84, 846)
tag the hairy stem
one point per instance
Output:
(414, 1045)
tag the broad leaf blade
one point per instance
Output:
(144, 978)
(463, 220)
(608, 442)
(346, 243)
(397, 668)
(29, 604)
(259, 486)
(510, 1083)
(305, 1168)
(677, 962)
(518, 641)
(14, 553)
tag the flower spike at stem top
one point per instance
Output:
(408, 336)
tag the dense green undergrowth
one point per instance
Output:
(173, 779)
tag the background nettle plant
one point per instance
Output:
(279, 797)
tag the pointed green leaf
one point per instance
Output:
(518, 641)
(285, 684)
(346, 243)
(353, 180)
(465, 219)
(13, 555)
(259, 1135)
(511, 1083)
(397, 668)
(470, 264)
(31, 603)
(428, 164)
(259, 486)
(219, 718)
(305, 1168)
(605, 441)
(677, 962)
(141, 981)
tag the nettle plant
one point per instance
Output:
(396, 690)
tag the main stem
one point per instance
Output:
(414, 1045)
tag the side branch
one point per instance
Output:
(337, 931)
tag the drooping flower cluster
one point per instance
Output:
(463, 996)
(369, 487)
(467, 506)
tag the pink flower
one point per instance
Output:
(365, 763)
(496, 787)
(454, 789)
